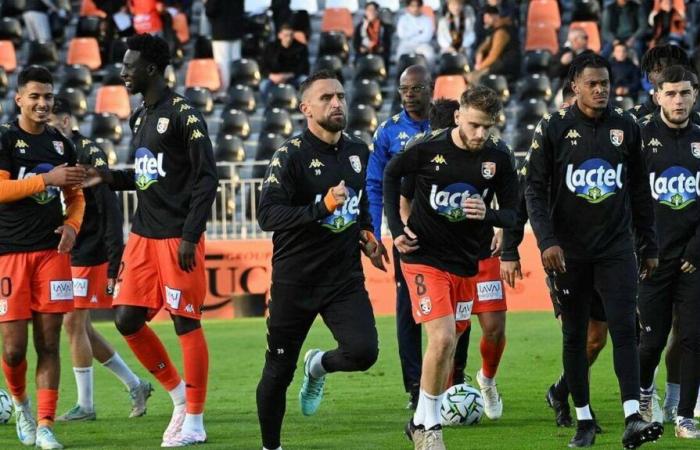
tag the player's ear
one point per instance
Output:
(457, 116)
(304, 108)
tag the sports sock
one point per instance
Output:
(430, 410)
(630, 407)
(561, 389)
(316, 368)
(196, 359)
(118, 367)
(584, 413)
(491, 353)
(84, 381)
(152, 354)
(16, 379)
(178, 394)
(673, 395)
(46, 400)
(484, 380)
(193, 423)
(647, 391)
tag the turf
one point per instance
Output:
(360, 410)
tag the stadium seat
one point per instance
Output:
(12, 8)
(499, 84)
(8, 57)
(535, 86)
(170, 77)
(44, 54)
(591, 29)
(362, 117)
(11, 30)
(112, 74)
(246, 72)
(624, 102)
(181, 27)
(235, 122)
(107, 126)
(541, 37)
(116, 53)
(4, 85)
(523, 138)
(203, 73)
(362, 135)
(268, 143)
(76, 100)
(367, 92)
(453, 63)
(84, 51)
(278, 121)
(449, 86)
(537, 61)
(113, 99)
(531, 110)
(370, 67)
(201, 99)
(310, 6)
(88, 8)
(334, 43)
(332, 63)
(337, 19)
(544, 12)
(387, 16)
(252, 46)
(89, 26)
(241, 97)
(229, 148)
(282, 96)
(351, 5)
(77, 76)
(409, 59)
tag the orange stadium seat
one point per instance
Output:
(181, 28)
(88, 8)
(337, 19)
(8, 57)
(85, 51)
(545, 12)
(113, 99)
(591, 29)
(428, 11)
(203, 73)
(449, 86)
(542, 37)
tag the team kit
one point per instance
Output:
(611, 196)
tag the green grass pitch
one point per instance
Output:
(359, 411)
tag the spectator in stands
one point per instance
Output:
(507, 9)
(36, 19)
(146, 16)
(372, 36)
(586, 10)
(499, 53)
(576, 43)
(456, 28)
(415, 31)
(625, 75)
(623, 20)
(285, 61)
(227, 20)
(667, 24)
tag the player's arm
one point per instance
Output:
(275, 209)
(375, 174)
(400, 165)
(408, 187)
(108, 207)
(371, 246)
(507, 188)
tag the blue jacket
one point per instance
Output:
(389, 139)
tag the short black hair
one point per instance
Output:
(442, 113)
(61, 106)
(482, 98)
(153, 49)
(318, 75)
(567, 91)
(285, 26)
(663, 56)
(490, 9)
(587, 60)
(39, 74)
(420, 2)
(677, 74)
(372, 3)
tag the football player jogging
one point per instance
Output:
(313, 199)
(35, 245)
(175, 182)
(94, 262)
(671, 148)
(457, 171)
(585, 190)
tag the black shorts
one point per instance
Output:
(597, 309)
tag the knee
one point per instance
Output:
(495, 332)
(47, 347)
(278, 370)
(128, 321)
(73, 325)
(13, 354)
(362, 355)
(442, 343)
(596, 343)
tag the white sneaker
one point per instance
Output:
(493, 403)
(175, 425)
(687, 428)
(657, 413)
(46, 440)
(25, 424)
(139, 395)
(696, 412)
(186, 439)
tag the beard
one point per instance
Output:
(465, 140)
(333, 126)
(674, 119)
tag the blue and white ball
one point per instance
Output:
(461, 405)
(5, 406)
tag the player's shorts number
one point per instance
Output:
(420, 284)
(5, 286)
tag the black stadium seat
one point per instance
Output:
(332, 63)
(538, 61)
(112, 74)
(367, 92)
(76, 99)
(107, 146)
(453, 63)
(626, 103)
(410, 59)
(245, 71)
(535, 86)
(234, 122)
(268, 144)
(362, 117)
(229, 148)
(370, 67)
(283, 96)
(44, 54)
(90, 26)
(241, 97)
(4, 83)
(107, 126)
(334, 43)
(77, 76)
(361, 134)
(278, 121)
(499, 84)
(201, 99)
(11, 30)
(531, 110)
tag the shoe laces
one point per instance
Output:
(431, 436)
(490, 392)
(689, 424)
(314, 386)
(26, 414)
(645, 402)
(46, 434)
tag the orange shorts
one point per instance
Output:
(150, 277)
(90, 287)
(34, 281)
(435, 293)
(489, 288)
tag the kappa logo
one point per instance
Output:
(94, 149)
(395, 117)
(616, 137)
(162, 125)
(538, 129)
(93, 299)
(463, 310)
(99, 162)
(61, 290)
(534, 145)
(177, 100)
(272, 179)
(21, 144)
(137, 123)
(80, 287)
(425, 305)
(655, 143)
(439, 159)
(296, 142)
(189, 308)
(489, 290)
(275, 162)
(315, 164)
(185, 107)
(282, 149)
(402, 135)
(573, 135)
(172, 297)
(495, 139)
(85, 142)
(3, 306)
(196, 134)
(191, 119)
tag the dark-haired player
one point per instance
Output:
(585, 190)
(35, 279)
(163, 262)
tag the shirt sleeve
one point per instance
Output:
(365, 219)
(404, 163)
(640, 199)
(375, 174)
(507, 195)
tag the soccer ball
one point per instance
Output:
(5, 406)
(461, 405)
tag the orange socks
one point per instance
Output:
(152, 354)
(491, 353)
(16, 378)
(46, 400)
(196, 359)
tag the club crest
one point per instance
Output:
(616, 137)
(58, 146)
(356, 163)
(162, 125)
(488, 170)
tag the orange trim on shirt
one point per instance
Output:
(13, 190)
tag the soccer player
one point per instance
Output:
(94, 262)
(416, 91)
(585, 189)
(313, 199)
(457, 170)
(35, 280)
(175, 181)
(671, 148)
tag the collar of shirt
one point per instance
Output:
(673, 132)
(167, 95)
(318, 145)
(422, 125)
(591, 121)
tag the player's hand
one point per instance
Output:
(497, 242)
(407, 242)
(374, 250)
(649, 265)
(64, 175)
(68, 235)
(340, 193)
(510, 270)
(94, 177)
(185, 255)
(687, 267)
(474, 208)
(553, 259)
